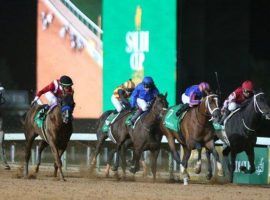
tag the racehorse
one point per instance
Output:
(145, 134)
(196, 131)
(240, 129)
(55, 132)
(119, 131)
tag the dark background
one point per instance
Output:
(230, 37)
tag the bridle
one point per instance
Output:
(256, 105)
(257, 110)
(209, 111)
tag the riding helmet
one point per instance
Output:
(129, 84)
(148, 82)
(66, 81)
(204, 86)
(247, 85)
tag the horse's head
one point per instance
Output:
(210, 103)
(160, 104)
(260, 105)
(67, 106)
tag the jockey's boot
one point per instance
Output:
(135, 116)
(225, 115)
(182, 109)
(43, 111)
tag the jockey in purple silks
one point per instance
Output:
(193, 95)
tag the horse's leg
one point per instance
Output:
(154, 155)
(211, 149)
(29, 142)
(137, 152)
(186, 157)
(97, 151)
(118, 154)
(109, 162)
(60, 152)
(232, 168)
(57, 160)
(175, 153)
(123, 158)
(199, 159)
(226, 161)
(41, 147)
(2, 150)
(143, 163)
(209, 174)
(250, 154)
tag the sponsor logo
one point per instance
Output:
(137, 43)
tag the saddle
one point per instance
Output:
(171, 120)
(42, 113)
(110, 119)
(220, 129)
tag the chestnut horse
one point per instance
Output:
(196, 131)
(55, 132)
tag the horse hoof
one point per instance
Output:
(209, 176)
(220, 173)
(7, 167)
(114, 168)
(197, 170)
(130, 163)
(133, 170)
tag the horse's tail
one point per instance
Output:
(101, 120)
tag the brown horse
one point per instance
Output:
(196, 132)
(145, 134)
(119, 131)
(56, 131)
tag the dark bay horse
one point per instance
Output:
(119, 131)
(241, 129)
(146, 135)
(197, 132)
(56, 132)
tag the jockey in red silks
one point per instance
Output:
(193, 95)
(237, 98)
(55, 90)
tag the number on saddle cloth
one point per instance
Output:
(110, 119)
(41, 115)
(171, 120)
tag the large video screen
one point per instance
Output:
(139, 40)
(62, 50)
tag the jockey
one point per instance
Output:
(142, 96)
(237, 98)
(121, 94)
(55, 90)
(193, 95)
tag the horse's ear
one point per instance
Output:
(166, 94)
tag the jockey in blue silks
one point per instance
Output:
(142, 96)
(193, 95)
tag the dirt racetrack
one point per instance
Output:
(79, 186)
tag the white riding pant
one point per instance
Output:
(116, 103)
(232, 106)
(51, 98)
(142, 104)
(185, 98)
